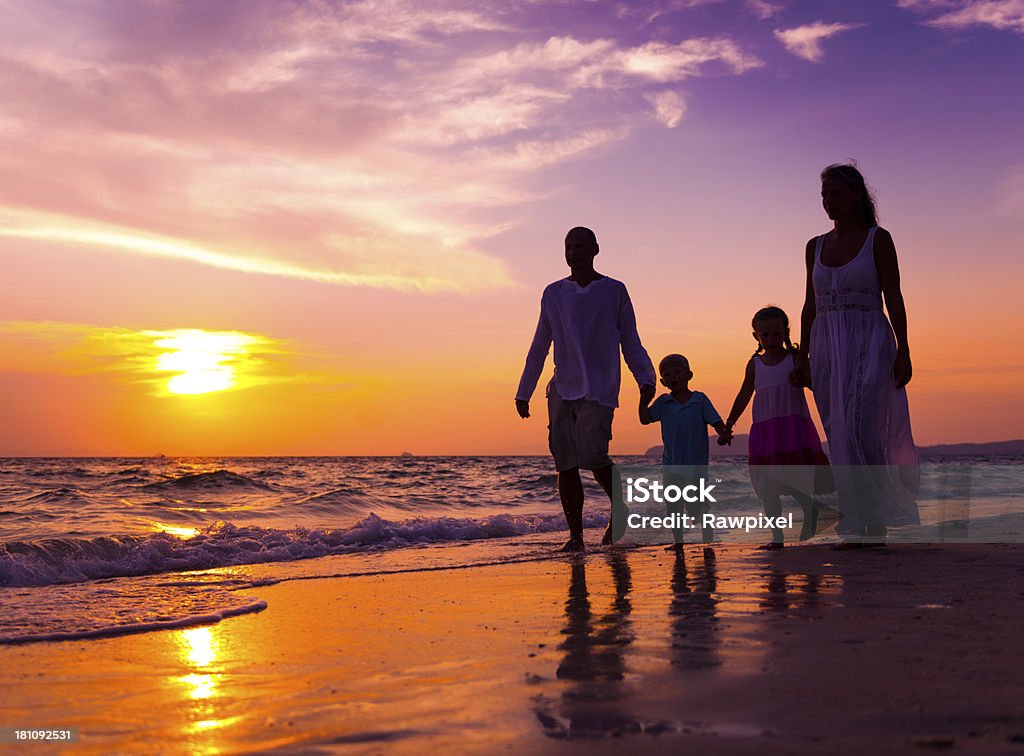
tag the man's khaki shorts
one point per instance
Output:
(578, 432)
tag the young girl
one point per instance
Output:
(784, 447)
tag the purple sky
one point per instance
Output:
(382, 187)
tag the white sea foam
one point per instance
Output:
(70, 560)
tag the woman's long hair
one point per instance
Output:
(849, 175)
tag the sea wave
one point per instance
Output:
(72, 560)
(344, 499)
(218, 479)
(105, 608)
(61, 496)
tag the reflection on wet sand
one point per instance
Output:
(198, 647)
(198, 650)
(804, 650)
(593, 661)
(692, 614)
(594, 648)
(722, 618)
(787, 593)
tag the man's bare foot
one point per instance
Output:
(847, 545)
(771, 546)
(573, 544)
(606, 539)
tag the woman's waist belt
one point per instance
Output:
(863, 300)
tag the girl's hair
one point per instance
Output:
(771, 312)
(849, 175)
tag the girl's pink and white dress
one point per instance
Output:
(865, 416)
(785, 452)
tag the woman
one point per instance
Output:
(859, 363)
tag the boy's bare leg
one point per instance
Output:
(570, 491)
(697, 510)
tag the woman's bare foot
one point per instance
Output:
(810, 525)
(825, 517)
(771, 546)
(874, 535)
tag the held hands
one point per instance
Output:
(902, 370)
(523, 408)
(800, 375)
(647, 394)
(725, 436)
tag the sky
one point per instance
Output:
(254, 227)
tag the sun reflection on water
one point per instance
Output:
(203, 686)
(199, 648)
(179, 531)
(212, 724)
(200, 645)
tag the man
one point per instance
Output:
(588, 316)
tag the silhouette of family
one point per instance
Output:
(855, 360)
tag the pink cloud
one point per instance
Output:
(1006, 15)
(805, 41)
(344, 142)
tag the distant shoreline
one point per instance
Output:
(1007, 448)
(738, 448)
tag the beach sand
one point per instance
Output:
(904, 649)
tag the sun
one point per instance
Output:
(205, 361)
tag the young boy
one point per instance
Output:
(684, 415)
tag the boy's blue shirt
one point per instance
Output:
(684, 428)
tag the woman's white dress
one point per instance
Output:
(865, 416)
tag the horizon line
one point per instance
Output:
(410, 455)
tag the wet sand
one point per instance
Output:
(904, 649)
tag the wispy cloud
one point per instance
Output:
(75, 232)
(1006, 15)
(763, 9)
(1009, 201)
(541, 81)
(805, 41)
(356, 144)
(532, 155)
(669, 107)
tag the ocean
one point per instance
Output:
(91, 548)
